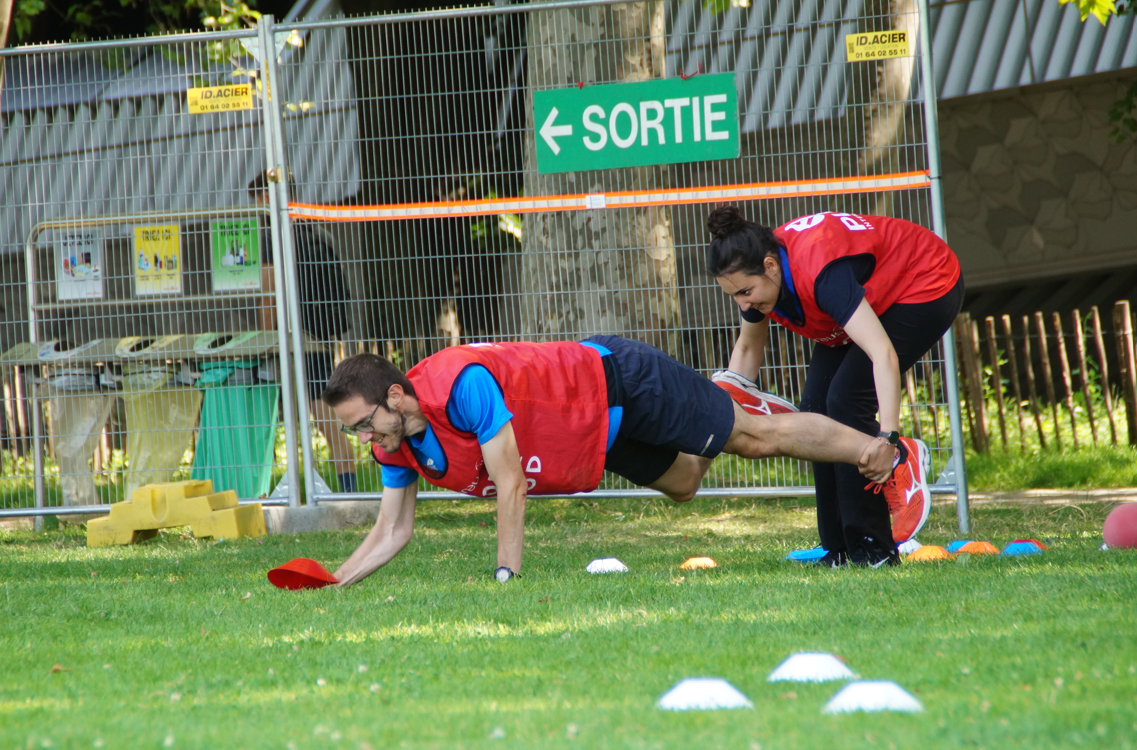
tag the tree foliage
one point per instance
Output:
(36, 21)
(1099, 9)
(1121, 114)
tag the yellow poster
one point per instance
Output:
(219, 99)
(157, 260)
(877, 45)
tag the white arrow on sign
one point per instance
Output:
(549, 131)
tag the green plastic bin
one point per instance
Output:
(237, 432)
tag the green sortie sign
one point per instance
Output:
(636, 124)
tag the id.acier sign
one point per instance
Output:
(636, 124)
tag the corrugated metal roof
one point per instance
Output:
(786, 56)
(986, 45)
(103, 142)
(790, 67)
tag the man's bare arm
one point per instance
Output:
(393, 529)
(503, 463)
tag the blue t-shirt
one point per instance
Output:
(478, 406)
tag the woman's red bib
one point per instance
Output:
(913, 265)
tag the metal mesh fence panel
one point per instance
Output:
(140, 334)
(406, 149)
(450, 233)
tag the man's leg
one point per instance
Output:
(682, 480)
(675, 474)
(341, 453)
(811, 437)
(669, 406)
(318, 368)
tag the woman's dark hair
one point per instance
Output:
(738, 244)
(366, 375)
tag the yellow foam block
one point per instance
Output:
(161, 506)
(930, 552)
(230, 523)
(696, 563)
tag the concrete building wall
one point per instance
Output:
(1034, 186)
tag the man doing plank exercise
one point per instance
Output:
(513, 419)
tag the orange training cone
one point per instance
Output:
(697, 563)
(300, 573)
(979, 548)
(930, 552)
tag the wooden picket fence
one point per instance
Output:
(997, 357)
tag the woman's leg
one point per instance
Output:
(828, 391)
(851, 400)
(865, 531)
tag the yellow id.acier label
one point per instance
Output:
(219, 99)
(877, 45)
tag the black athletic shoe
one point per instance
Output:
(873, 561)
(833, 560)
(872, 554)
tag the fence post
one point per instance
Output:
(968, 340)
(1123, 325)
(293, 378)
(1012, 360)
(1106, 392)
(1080, 345)
(951, 372)
(1048, 376)
(1030, 383)
(996, 376)
(1067, 379)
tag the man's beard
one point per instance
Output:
(399, 434)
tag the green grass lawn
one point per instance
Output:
(183, 643)
(1087, 468)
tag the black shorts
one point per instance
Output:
(318, 368)
(668, 409)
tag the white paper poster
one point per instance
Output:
(79, 265)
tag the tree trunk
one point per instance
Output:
(600, 270)
(888, 103)
(6, 8)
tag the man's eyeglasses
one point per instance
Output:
(364, 426)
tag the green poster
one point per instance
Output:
(236, 254)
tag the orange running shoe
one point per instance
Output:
(906, 491)
(747, 395)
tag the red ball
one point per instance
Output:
(1120, 528)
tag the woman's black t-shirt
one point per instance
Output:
(839, 289)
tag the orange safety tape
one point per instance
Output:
(629, 199)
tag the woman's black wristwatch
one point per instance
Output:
(893, 437)
(503, 574)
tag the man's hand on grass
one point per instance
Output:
(350, 573)
(392, 531)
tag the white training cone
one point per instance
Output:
(703, 694)
(607, 565)
(811, 667)
(872, 696)
(909, 547)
